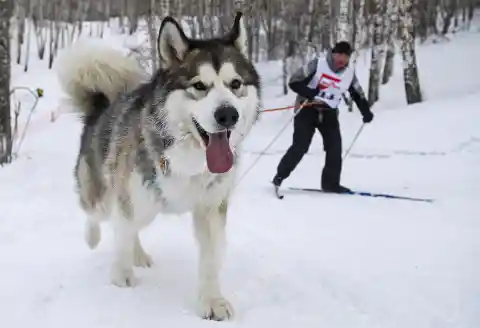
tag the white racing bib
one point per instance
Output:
(331, 85)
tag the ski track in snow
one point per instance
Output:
(310, 260)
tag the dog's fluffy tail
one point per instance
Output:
(93, 75)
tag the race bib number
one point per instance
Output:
(328, 86)
(330, 94)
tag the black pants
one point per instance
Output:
(304, 126)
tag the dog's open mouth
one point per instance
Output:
(218, 151)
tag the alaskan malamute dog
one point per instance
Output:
(163, 145)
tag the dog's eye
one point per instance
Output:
(235, 84)
(200, 86)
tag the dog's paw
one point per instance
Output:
(218, 309)
(142, 259)
(122, 277)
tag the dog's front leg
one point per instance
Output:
(126, 243)
(210, 234)
(124, 236)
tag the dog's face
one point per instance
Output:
(214, 91)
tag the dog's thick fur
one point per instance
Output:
(143, 149)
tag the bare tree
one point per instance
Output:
(344, 33)
(152, 32)
(359, 24)
(20, 15)
(392, 19)
(38, 24)
(327, 21)
(6, 10)
(344, 29)
(468, 11)
(410, 71)
(288, 45)
(377, 49)
(448, 11)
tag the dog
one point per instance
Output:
(167, 143)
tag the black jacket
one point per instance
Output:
(301, 78)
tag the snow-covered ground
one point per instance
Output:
(310, 260)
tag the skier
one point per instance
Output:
(323, 81)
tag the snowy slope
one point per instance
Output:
(310, 260)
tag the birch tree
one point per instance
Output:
(376, 53)
(312, 11)
(410, 71)
(448, 12)
(343, 26)
(152, 32)
(287, 48)
(392, 12)
(469, 9)
(6, 10)
(358, 8)
(344, 32)
(20, 15)
(327, 28)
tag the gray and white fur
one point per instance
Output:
(163, 144)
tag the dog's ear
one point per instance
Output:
(172, 43)
(238, 34)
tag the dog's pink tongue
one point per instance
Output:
(219, 154)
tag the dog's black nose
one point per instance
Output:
(226, 116)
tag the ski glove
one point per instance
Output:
(367, 117)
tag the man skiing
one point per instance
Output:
(323, 81)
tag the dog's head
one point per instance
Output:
(213, 89)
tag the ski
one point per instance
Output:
(364, 194)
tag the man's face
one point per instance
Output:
(340, 60)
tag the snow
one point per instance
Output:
(310, 260)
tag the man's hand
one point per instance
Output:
(367, 117)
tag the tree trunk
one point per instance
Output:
(450, 12)
(374, 80)
(344, 32)
(392, 10)
(360, 26)
(410, 71)
(6, 10)
(288, 45)
(388, 68)
(471, 11)
(326, 28)
(20, 13)
(423, 20)
(311, 20)
(343, 26)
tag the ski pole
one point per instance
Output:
(302, 105)
(353, 141)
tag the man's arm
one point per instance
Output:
(358, 96)
(299, 80)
